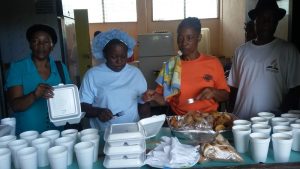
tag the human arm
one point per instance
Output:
(232, 98)
(103, 114)
(144, 110)
(291, 101)
(219, 92)
(20, 102)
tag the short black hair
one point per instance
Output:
(40, 27)
(190, 22)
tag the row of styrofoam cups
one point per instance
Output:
(284, 138)
(50, 148)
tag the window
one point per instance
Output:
(180, 9)
(102, 11)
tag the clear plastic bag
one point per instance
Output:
(219, 150)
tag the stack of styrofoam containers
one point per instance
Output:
(125, 145)
(65, 105)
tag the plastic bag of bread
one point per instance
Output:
(217, 121)
(219, 150)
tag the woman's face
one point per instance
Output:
(41, 45)
(116, 57)
(187, 40)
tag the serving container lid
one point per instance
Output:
(124, 162)
(152, 125)
(65, 105)
(145, 128)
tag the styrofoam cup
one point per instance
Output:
(282, 144)
(241, 123)
(14, 147)
(4, 140)
(88, 131)
(84, 153)
(259, 120)
(280, 121)
(296, 137)
(5, 158)
(27, 158)
(12, 122)
(297, 121)
(94, 138)
(69, 143)
(266, 115)
(29, 135)
(259, 146)
(58, 157)
(52, 135)
(261, 128)
(294, 112)
(283, 129)
(42, 145)
(292, 117)
(70, 133)
(241, 138)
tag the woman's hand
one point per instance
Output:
(148, 95)
(152, 95)
(213, 93)
(20, 102)
(206, 94)
(43, 90)
(104, 114)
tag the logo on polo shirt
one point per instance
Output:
(207, 77)
(273, 67)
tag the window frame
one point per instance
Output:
(184, 8)
(103, 19)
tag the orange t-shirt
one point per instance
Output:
(205, 71)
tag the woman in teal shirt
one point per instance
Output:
(29, 81)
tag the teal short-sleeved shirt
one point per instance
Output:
(24, 73)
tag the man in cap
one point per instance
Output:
(265, 70)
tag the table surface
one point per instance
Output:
(294, 161)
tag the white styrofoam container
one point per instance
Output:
(65, 105)
(132, 133)
(129, 151)
(122, 156)
(124, 162)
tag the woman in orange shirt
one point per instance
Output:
(190, 75)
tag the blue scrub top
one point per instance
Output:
(117, 91)
(24, 73)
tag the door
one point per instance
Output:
(83, 41)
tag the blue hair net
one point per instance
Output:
(100, 41)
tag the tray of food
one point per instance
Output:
(198, 127)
